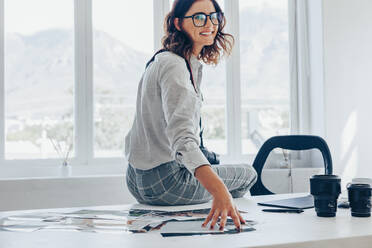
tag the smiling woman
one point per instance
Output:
(166, 166)
(199, 33)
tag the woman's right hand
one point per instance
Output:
(223, 206)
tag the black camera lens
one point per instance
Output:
(360, 199)
(325, 190)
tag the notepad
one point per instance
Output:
(292, 203)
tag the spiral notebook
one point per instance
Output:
(292, 203)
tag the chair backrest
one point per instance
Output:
(288, 142)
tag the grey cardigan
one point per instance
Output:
(166, 124)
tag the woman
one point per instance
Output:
(166, 166)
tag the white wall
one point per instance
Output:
(347, 27)
(347, 113)
(36, 193)
(82, 191)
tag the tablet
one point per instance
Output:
(292, 203)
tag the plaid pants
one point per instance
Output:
(172, 184)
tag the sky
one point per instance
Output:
(277, 4)
(130, 21)
(127, 20)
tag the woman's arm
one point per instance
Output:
(223, 204)
(180, 103)
(181, 107)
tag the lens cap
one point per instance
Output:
(363, 187)
(325, 184)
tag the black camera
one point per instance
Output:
(212, 157)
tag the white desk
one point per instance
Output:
(273, 230)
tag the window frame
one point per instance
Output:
(2, 84)
(83, 106)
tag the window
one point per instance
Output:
(71, 71)
(39, 78)
(213, 112)
(123, 41)
(214, 106)
(264, 71)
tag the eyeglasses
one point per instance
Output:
(200, 19)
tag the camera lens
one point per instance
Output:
(360, 199)
(325, 190)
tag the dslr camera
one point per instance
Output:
(212, 157)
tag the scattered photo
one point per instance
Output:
(117, 221)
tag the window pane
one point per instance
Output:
(39, 78)
(214, 105)
(122, 44)
(264, 56)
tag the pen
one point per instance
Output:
(274, 210)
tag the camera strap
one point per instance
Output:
(193, 84)
(186, 61)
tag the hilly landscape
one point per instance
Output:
(39, 80)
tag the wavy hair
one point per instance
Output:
(180, 43)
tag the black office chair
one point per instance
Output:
(289, 142)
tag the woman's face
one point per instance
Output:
(201, 36)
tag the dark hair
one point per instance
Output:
(180, 43)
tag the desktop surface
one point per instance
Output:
(273, 230)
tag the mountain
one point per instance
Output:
(264, 50)
(39, 72)
(39, 68)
